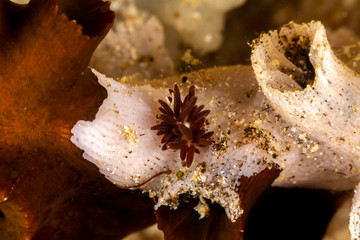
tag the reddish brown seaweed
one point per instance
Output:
(47, 190)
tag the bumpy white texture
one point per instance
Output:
(354, 224)
(325, 112)
(136, 160)
(135, 44)
(119, 141)
(310, 132)
(199, 22)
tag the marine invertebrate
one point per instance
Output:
(215, 172)
(316, 89)
(135, 44)
(40, 105)
(183, 126)
(301, 83)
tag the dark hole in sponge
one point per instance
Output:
(297, 51)
(2, 215)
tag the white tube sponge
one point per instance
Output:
(119, 141)
(332, 96)
(303, 118)
(136, 43)
(311, 89)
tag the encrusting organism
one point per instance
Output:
(183, 126)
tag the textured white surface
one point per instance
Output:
(135, 44)
(214, 174)
(325, 114)
(311, 133)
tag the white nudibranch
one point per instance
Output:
(299, 112)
